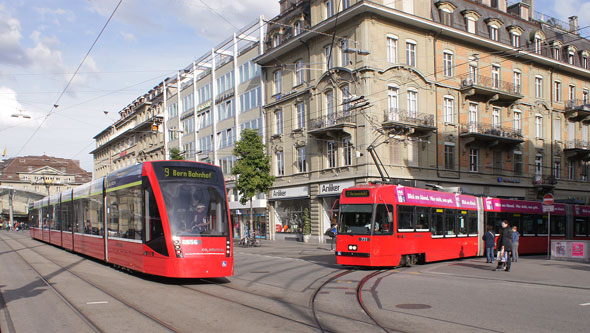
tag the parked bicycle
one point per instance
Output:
(250, 241)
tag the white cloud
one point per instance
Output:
(11, 51)
(566, 8)
(45, 55)
(128, 36)
(55, 15)
(10, 105)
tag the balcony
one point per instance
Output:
(490, 89)
(491, 135)
(332, 124)
(408, 122)
(577, 150)
(544, 183)
(577, 110)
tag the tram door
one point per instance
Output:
(481, 226)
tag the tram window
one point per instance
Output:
(154, 231)
(437, 222)
(472, 225)
(422, 219)
(50, 219)
(515, 221)
(405, 218)
(450, 222)
(95, 212)
(498, 222)
(541, 225)
(462, 223)
(56, 217)
(528, 225)
(355, 219)
(558, 225)
(581, 226)
(383, 220)
(66, 213)
(125, 213)
(81, 207)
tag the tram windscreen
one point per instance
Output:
(195, 202)
(355, 219)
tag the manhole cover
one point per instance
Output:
(413, 306)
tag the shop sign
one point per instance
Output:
(335, 187)
(577, 249)
(290, 192)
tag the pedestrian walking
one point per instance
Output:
(504, 245)
(488, 239)
(515, 237)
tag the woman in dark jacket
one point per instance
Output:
(504, 244)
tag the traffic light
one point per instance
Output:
(155, 128)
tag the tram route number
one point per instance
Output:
(187, 173)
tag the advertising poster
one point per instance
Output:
(577, 249)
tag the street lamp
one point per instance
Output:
(20, 114)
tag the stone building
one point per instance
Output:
(480, 96)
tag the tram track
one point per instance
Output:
(79, 312)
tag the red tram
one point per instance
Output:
(166, 218)
(390, 225)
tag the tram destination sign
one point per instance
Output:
(356, 193)
(176, 172)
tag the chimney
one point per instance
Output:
(573, 24)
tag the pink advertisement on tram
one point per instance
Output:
(433, 198)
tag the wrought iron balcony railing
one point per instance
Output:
(491, 82)
(409, 116)
(572, 104)
(544, 180)
(577, 144)
(489, 129)
(332, 119)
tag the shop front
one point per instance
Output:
(288, 206)
(328, 198)
(240, 218)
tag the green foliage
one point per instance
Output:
(176, 154)
(252, 166)
(306, 222)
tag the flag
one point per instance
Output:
(4, 154)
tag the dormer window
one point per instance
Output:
(556, 50)
(446, 10)
(494, 32)
(276, 40)
(297, 27)
(494, 28)
(471, 18)
(571, 53)
(329, 8)
(538, 39)
(584, 59)
(515, 39)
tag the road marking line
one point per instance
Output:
(585, 304)
(100, 302)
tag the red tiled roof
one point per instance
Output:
(10, 168)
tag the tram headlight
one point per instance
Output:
(352, 247)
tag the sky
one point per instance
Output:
(43, 42)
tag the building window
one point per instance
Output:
(297, 28)
(555, 53)
(585, 96)
(331, 153)
(412, 103)
(347, 152)
(276, 40)
(448, 110)
(301, 115)
(570, 58)
(473, 159)
(330, 107)
(494, 32)
(571, 170)
(277, 82)
(393, 103)
(280, 163)
(517, 122)
(473, 73)
(328, 57)
(329, 8)
(345, 4)
(515, 39)
(391, 49)
(278, 122)
(301, 160)
(411, 53)
(538, 45)
(538, 127)
(449, 156)
(299, 72)
(470, 25)
(496, 117)
(557, 91)
(556, 169)
(538, 87)
(557, 129)
(345, 99)
(445, 17)
(517, 163)
(539, 165)
(585, 62)
(495, 76)
(572, 93)
(447, 63)
(344, 58)
(517, 82)
(473, 117)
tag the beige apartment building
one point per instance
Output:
(481, 96)
(135, 137)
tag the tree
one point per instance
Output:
(176, 154)
(252, 168)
